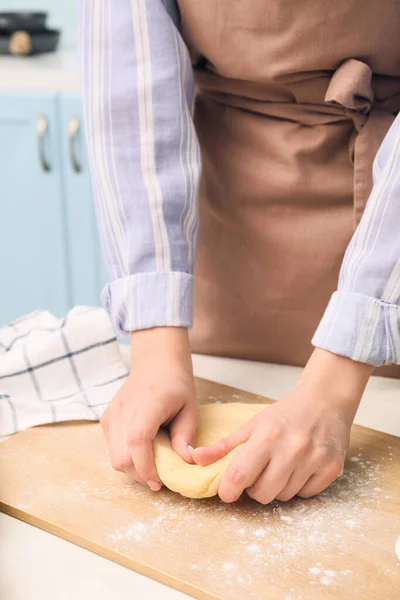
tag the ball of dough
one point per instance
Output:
(215, 422)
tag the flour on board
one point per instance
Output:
(316, 531)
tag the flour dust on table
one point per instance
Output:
(338, 514)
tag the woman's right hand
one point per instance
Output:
(158, 391)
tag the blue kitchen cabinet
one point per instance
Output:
(86, 268)
(33, 243)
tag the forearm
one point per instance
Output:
(362, 320)
(137, 90)
(335, 380)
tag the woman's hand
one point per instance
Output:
(158, 391)
(296, 446)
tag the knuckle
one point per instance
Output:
(285, 496)
(136, 437)
(336, 467)
(306, 494)
(120, 463)
(259, 495)
(236, 476)
(262, 499)
(321, 455)
(298, 443)
(275, 430)
(227, 497)
(266, 500)
(223, 446)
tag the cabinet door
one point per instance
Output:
(33, 269)
(86, 267)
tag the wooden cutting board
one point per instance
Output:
(338, 545)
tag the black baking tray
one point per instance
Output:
(41, 41)
(22, 20)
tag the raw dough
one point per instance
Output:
(215, 422)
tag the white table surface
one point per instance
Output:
(37, 565)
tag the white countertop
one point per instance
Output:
(55, 71)
(36, 565)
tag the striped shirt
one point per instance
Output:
(138, 92)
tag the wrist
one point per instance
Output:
(338, 379)
(165, 343)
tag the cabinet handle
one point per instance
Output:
(73, 129)
(42, 127)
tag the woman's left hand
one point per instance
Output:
(296, 446)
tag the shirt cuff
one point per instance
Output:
(360, 327)
(148, 300)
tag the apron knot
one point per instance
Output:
(351, 87)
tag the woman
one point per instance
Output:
(292, 106)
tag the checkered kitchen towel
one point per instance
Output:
(57, 369)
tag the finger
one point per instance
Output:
(209, 454)
(182, 432)
(120, 458)
(272, 481)
(105, 423)
(296, 481)
(243, 470)
(123, 463)
(320, 481)
(140, 447)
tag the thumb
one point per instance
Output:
(206, 455)
(182, 432)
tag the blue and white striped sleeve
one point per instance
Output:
(138, 90)
(362, 320)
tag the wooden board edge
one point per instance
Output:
(133, 565)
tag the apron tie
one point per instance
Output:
(351, 88)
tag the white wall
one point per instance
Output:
(61, 14)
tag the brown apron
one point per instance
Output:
(294, 100)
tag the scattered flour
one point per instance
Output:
(351, 523)
(304, 538)
(329, 573)
(397, 548)
(326, 577)
(286, 518)
(260, 533)
(254, 548)
(136, 531)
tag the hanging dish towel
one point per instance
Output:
(55, 370)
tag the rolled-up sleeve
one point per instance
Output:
(137, 87)
(362, 320)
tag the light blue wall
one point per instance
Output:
(61, 14)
